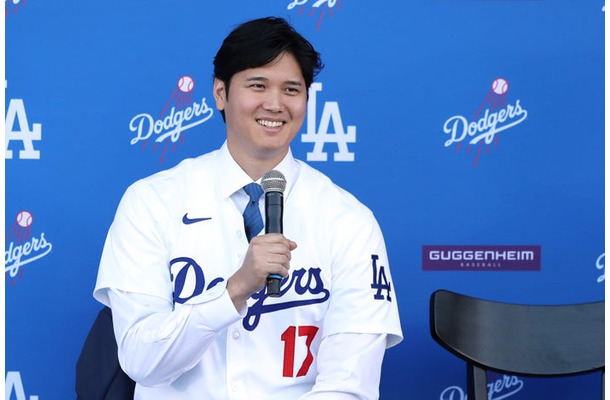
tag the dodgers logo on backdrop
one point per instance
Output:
(17, 129)
(503, 387)
(14, 4)
(320, 135)
(321, 8)
(494, 115)
(179, 114)
(600, 264)
(23, 246)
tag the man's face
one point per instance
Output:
(264, 109)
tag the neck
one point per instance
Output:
(256, 166)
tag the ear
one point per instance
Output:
(220, 93)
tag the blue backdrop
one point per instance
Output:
(459, 123)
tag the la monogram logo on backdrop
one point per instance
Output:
(14, 387)
(179, 114)
(320, 135)
(494, 115)
(17, 129)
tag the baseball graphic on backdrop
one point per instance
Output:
(24, 219)
(499, 86)
(186, 83)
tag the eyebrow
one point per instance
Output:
(263, 79)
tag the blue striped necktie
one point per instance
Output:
(253, 221)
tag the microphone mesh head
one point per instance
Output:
(273, 181)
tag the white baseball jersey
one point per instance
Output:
(178, 236)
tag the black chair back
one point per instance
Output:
(518, 339)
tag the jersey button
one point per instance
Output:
(235, 335)
(236, 387)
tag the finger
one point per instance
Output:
(273, 247)
(278, 259)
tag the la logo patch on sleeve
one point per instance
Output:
(380, 281)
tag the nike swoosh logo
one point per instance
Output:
(187, 221)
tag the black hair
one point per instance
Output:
(257, 42)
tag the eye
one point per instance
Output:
(258, 86)
(292, 91)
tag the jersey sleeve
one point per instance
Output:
(134, 258)
(157, 345)
(363, 296)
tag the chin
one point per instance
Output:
(270, 150)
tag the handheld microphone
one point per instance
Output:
(274, 183)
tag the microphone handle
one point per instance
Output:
(274, 213)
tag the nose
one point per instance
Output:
(273, 101)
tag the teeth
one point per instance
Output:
(270, 124)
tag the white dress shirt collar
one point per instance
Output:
(231, 177)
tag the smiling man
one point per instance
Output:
(184, 273)
(264, 112)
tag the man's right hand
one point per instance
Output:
(267, 254)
